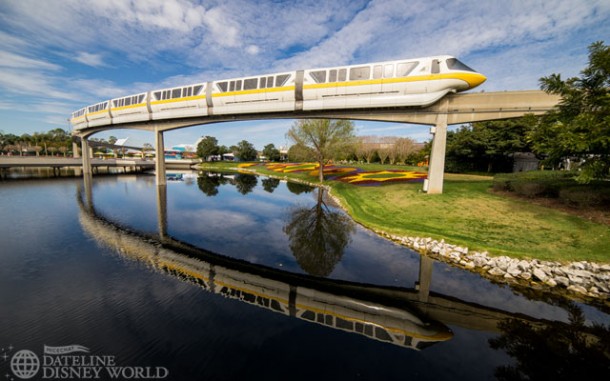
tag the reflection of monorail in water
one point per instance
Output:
(336, 304)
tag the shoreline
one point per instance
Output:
(582, 280)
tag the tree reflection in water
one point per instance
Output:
(269, 184)
(318, 236)
(556, 351)
(209, 182)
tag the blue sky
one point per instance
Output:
(59, 55)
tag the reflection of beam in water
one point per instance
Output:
(368, 311)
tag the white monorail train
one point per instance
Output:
(417, 82)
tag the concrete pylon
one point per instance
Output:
(86, 151)
(75, 153)
(436, 167)
(160, 158)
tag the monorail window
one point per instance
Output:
(197, 89)
(250, 84)
(319, 76)
(357, 73)
(222, 86)
(270, 81)
(281, 80)
(158, 95)
(263, 83)
(275, 305)
(382, 334)
(309, 315)
(344, 324)
(436, 67)
(332, 75)
(127, 101)
(235, 85)
(455, 64)
(404, 68)
(388, 71)
(377, 71)
(187, 91)
(342, 74)
(141, 98)
(176, 93)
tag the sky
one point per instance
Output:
(57, 56)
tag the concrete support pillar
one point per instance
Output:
(436, 167)
(86, 156)
(425, 277)
(75, 153)
(160, 158)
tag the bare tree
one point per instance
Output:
(404, 147)
(325, 136)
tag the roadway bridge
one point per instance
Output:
(452, 109)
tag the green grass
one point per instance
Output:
(469, 214)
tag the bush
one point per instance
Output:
(586, 196)
(555, 184)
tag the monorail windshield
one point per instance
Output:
(455, 64)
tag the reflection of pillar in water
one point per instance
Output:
(88, 181)
(425, 277)
(162, 210)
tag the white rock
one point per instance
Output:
(539, 274)
(578, 289)
(496, 271)
(562, 280)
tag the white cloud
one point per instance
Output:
(90, 59)
(10, 60)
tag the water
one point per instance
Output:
(237, 277)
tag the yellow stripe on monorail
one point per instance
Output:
(470, 78)
(254, 91)
(173, 100)
(128, 107)
(98, 112)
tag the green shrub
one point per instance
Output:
(586, 196)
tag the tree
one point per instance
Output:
(327, 137)
(146, 147)
(580, 127)
(300, 153)
(207, 147)
(403, 148)
(271, 153)
(487, 146)
(245, 151)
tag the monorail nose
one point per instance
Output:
(475, 80)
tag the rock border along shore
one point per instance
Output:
(583, 280)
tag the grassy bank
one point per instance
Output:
(468, 213)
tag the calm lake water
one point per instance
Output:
(236, 277)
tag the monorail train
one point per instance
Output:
(417, 82)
